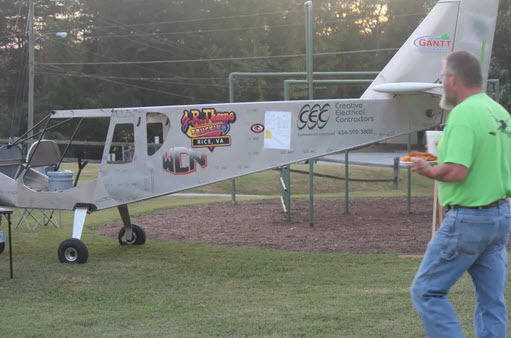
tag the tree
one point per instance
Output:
(501, 60)
(242, 35)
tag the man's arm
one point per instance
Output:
(445, 172)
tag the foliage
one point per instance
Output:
(244, 35)
(501, 60)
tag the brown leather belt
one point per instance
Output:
(491, 205)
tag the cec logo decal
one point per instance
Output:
(257, 128)
(315, 116)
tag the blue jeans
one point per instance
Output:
(468, 240)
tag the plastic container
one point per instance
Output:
(433, 137)
(60, 180)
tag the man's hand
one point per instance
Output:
(446, 172)
(420, 166)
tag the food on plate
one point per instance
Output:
(425, 156)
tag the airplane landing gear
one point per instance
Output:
(137, 236)
(130, 234)
(73, 251)
(2, 238)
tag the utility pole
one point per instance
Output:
(31, 66)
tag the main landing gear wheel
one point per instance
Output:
(138, 237)
(73, 251)
(2, 247)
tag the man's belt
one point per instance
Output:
(491, 205)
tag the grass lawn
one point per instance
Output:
(267, 182)
(174, 289)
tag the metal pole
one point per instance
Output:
(231, 100)
(395, 186)
(310, 79)
(311, 192)
(10, 244)
(31, 66)
(286, 191)
(288, 83)
(232, 78)
(309, 46)
(409, 194)
(235, 75)
(233, 194)
(286, 91)
(288, 182)
(343, 81)
(346, 183)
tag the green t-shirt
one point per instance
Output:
(477, 135)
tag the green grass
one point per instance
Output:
(267, 182)
(174, 289)
(166, 288)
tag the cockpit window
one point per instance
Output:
(157, 128)
(122, 149)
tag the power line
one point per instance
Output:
(173, 45)
(154, 80)
(178, 79)
(204, 19)
(84, 75)
(198, 31)
(261, 57)
(217, 18)
(285, 12)
(358, 51)
(155, 71)
(72, 49)
(140, 87)
(173, 61)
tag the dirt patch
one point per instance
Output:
(372, 226)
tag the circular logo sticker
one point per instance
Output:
(257, 128)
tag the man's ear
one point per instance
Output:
(455, 81)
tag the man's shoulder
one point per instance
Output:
(472, 107)
(476, 101)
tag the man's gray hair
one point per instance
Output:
(466, 66)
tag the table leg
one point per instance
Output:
(10, 244)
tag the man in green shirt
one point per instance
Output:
(474, 174)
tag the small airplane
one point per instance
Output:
(180, 147)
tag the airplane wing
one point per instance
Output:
(407, 88)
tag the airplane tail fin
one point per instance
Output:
(451, 25)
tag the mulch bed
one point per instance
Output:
(372, 226)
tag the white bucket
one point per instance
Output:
(60, 180)
(433, 137)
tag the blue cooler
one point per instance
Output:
(60, 180)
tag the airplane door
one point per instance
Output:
(124, 171)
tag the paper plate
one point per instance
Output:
(411, 163)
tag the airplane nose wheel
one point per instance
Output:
(73, 251)
(138, 237)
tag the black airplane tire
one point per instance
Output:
(73, 251)
(2, 247)
(138, 237)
